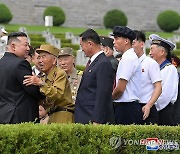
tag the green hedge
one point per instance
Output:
(177, 51)
(59, 35)
(80, 67)
(178, 45)
(57, 13)
(86, 139)
(37, 43)
(63, 40)
(39, 39)
(115, 17)
(168, 20)
(5, 14)
(73, 46)
(147, 51)
(34, 35)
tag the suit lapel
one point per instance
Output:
(95, 61)
(91, 66)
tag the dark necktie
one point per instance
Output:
(88, 63)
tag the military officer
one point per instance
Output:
(54, 85)
(66, 61)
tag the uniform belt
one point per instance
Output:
(121, 103)
(58, 109)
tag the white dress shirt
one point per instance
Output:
(95, 55)
(170, 81)
(129, 68)
(150, 75)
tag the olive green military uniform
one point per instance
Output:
(75, 76)
(58, 95)
(74, 80)
(56, 88)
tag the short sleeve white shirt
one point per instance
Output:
(150, 75)
(129, 69)
(170, 82)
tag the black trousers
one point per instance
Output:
(128, 113)
(153, 116)
(166, 115)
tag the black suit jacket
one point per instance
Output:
(114, 63)
(18, 103)
(94, 98)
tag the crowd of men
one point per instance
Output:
(136, 89)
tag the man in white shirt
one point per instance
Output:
(160, 51)
(151, 81)
(127, 92)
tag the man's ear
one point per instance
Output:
(55, 61)
(13, 46)
(90, 43)
(142, 44)
(126, 40)
(162, 51)
(107, 50)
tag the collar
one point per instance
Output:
(35, 70)
(52, 74)
(142, 57)
(95, 55)
(10, 53)
(73, 74)
(165, 63)
(127, 52)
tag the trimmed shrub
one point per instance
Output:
(80, 67)
(39, 39)
(37, 43)
(178, 45)
(63, 40)
(87, 139)
(73, 46)
(177, 52)
(59, 35)
(168, 21)
(147, 51)
(57, 13)
(115, 17)
(5, 14)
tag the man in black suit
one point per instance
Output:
(18, 103)
(94, 98)
(108, 47)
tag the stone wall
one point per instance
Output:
(141, 14)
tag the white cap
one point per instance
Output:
(156, 39)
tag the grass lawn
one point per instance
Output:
(54, 29)
(162, 34)
(76, 31)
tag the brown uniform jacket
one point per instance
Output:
(57, 90)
